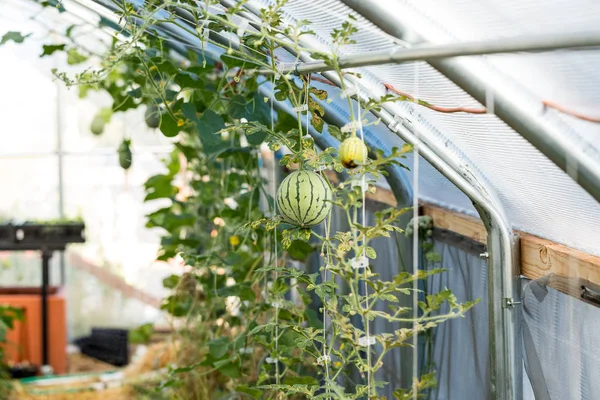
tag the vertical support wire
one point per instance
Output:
(307, 111)
(363, 222)
(325, 357)
(275, 273)
(415, 247)
(574, 338)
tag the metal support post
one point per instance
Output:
(46, 256)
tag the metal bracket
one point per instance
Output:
(590, 295)
(509, 303)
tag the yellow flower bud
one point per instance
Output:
(234, 240)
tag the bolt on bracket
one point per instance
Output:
(509, 303)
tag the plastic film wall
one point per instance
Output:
(539, 197)
(561, 344)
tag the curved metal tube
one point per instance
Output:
(555, 142)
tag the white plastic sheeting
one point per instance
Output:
(460, 347)
(539, 198)
(35, 111)
(561, 344)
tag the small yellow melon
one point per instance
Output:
(353, 152)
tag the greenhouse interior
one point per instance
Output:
(294, 199)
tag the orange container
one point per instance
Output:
(25, 340)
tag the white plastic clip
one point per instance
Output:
(246, 350)
(395, 124)
(242, 27)
(366, 341)
(324, 360)
(360, 262)
(350, 125)
(280, 68)
(276, 304)
(321, 168)
(303, 107)
(362, 184)
(271, 360)
(351, 91)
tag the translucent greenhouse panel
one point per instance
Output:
(110, 201)
(30, 188)
(77, 116)
(459, 348)
(91, 303)
(24, 269)
(538, 197)
(28, 115)
(561, 344)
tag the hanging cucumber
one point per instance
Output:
(100, 120)
(152, 116)
(125, 156)
(97, 126)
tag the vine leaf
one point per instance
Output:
(255, 393)
(300, 250)
(244, 292)
(208, 126)
(168, 125)
(54, 3)
(218, 347)
(74, 57)
(16, 37)
(159, 186)
(49, 49)
(171, 281)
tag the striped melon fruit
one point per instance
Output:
(304, 199)
(353, 152)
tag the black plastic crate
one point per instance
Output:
(108, 345)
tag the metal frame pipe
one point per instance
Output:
(428, 52)
(552, 140)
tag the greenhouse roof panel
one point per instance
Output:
(538, 197)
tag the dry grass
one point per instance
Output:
(158, 356)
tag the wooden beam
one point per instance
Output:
(570, 269)
(459, 223)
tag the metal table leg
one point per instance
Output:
(46, 256)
